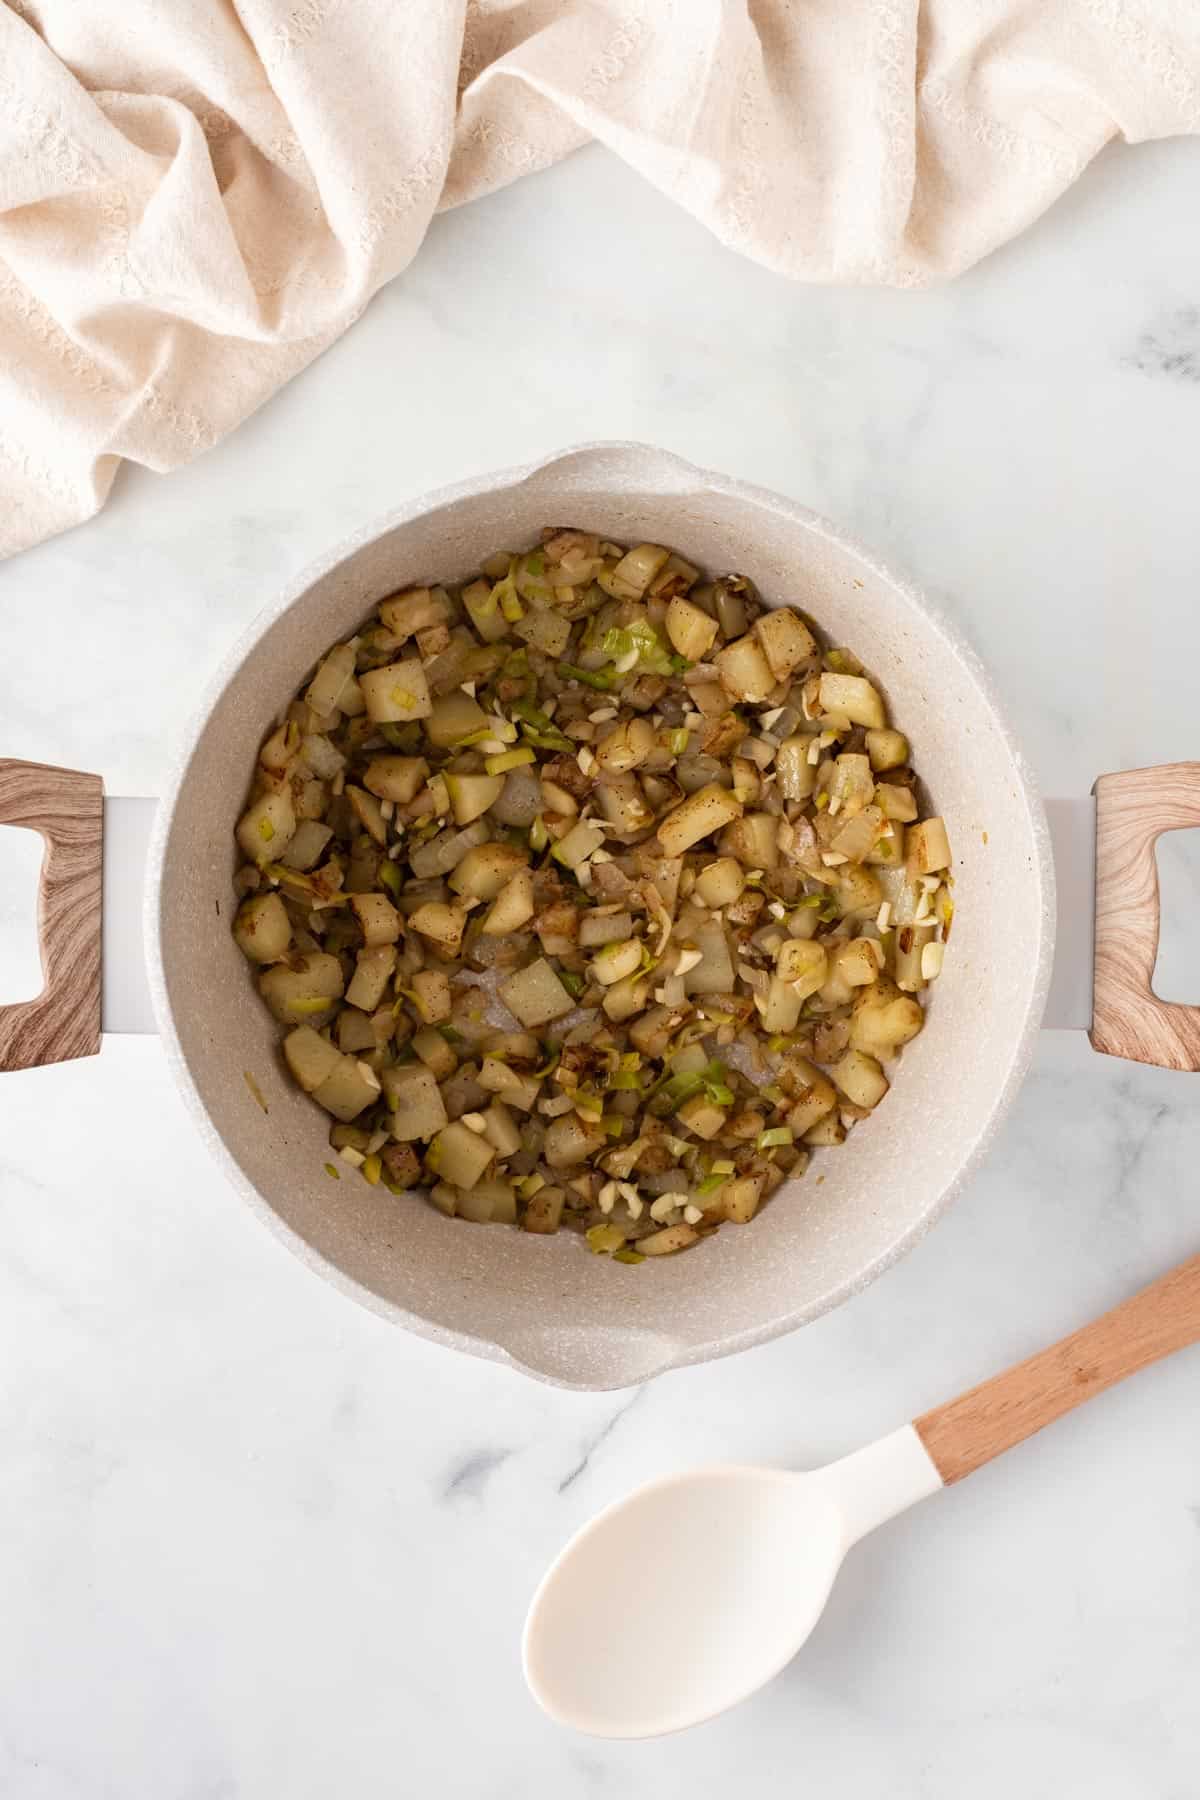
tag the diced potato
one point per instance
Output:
(714, 973)
(753, 840)
(691, 631)
(308, 844)
(414, 610)
(348, 1089)
(471, 795)
(859, 835)
(803, 965)
(709, 698)
(397, 692)
(535, 995)
(521, 798)
(501, 1129)
(322, 756)
(607, 928)
(697, 817)
(484, 612)
(571, 1140)
(635, 571)
(620, 798)
(485, 870)
(366, 810)
(543, 1213)
(739, 1199)
(433, 1049)
(459, 1155)
(651, 1034)
(490, 1202)
(327, 686)
(452, 718)
(265, 828)
(857, 962)
(702, 1115)
(576, 845)
(896, 802)
(721, 882)
(377, 917)
(615, 961)
(744, 670)
(929, 847)
(355, 1032)
(547, 631)
(853, 697)
(464, 1093)
(816, 1096)
(910, 945)
(882, 1022)
(786, 640)
(398, 778)
(512, 1087)
(401, 1167)
(797, 775)
(860, 1078)
(306, 994)
(443, 925)
(262, 930)
(444, 1197)
(625, 998)
(858, 889)
(888, 852)
(431, 987)
(827, 1131)
(887, 749)
(512, 907)
(626, 746)
(668, 1240)
(447, 850)
(414, 1100)
(310, 1057)
(780, 1010)
(372, 973)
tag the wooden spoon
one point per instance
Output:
(684, 1598)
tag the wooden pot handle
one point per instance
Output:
(979, 1425)
(67, 807)
(1128, 1019)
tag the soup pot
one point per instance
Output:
(543, 1303)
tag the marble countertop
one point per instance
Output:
(254, 1541)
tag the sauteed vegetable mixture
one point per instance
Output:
(592, 893)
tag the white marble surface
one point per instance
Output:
(255, 1542)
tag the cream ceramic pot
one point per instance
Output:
(544, 1304)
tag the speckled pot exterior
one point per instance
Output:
(544, 1304)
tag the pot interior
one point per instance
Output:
(546, 1302)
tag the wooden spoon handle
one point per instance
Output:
(67, 807)
(968, 1432)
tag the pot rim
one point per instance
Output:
(678, 469)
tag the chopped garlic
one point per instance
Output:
(883, 916)
(474, 1121)
(350, 1155)
(692, 1214)
(931, 961)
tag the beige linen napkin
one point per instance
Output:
(197, 196)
